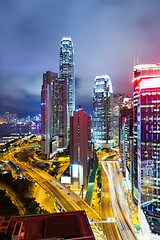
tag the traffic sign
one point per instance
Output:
(111, 219)
(90, 220)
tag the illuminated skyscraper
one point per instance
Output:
(120, 101)
(102, 110)
(126, 143)
(60, 111)
(146, 136)
(80, 143)
(47, 113)
(53, 112)
(66, 70)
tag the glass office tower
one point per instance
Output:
(60, 111)
(66, 70)
(146, 123)
(47, 113)
(102, 110)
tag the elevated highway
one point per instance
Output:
(123, 222)
(68, 200)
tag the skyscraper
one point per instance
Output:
(146, 136)
(116, 114)
(120, 100)
(80, 143)
(47, 113)
(54, 112)
(60, 111)
(102, 110)
(66, 70)
(126, 142)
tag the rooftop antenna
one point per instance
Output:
(137, 58)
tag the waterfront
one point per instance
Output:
(8, 129)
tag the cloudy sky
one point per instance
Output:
(107, 36)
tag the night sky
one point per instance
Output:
(107, 36)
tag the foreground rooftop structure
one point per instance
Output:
(66, 225)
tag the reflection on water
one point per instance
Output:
(7, 129)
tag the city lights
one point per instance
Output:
(75, 170)
(149, 83)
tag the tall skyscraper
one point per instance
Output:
(116, 114)
(47, 114)
(146, 136)
(60, 111)
(53, 112)
(80, 143)
(120, 100)
(126, 143)
(66, 70)
(102, 110)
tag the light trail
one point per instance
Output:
(123, 226)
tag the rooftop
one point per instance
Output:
(66, 225)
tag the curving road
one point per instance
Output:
(110, 229)
(67, 198)
(72, 202)
(123, 224)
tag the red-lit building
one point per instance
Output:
(80, 143)
(146, 136)
(47, 113)
(66, 225)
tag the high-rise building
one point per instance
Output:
(116, 114)
(120, 100)
(54, 112)
(47, 114)
(102, 110)
(66, 70)
(60, 111)
(146, 136)
(80, 143)
(126, 143)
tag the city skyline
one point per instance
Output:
(107, 40)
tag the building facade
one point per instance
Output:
(60, 111)
(102, 110)
(120, 101)
(116, 115)
(53, 112)
(47, 114)
(146, 136)
(80, 144)
(66, 70)
(126, 143)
